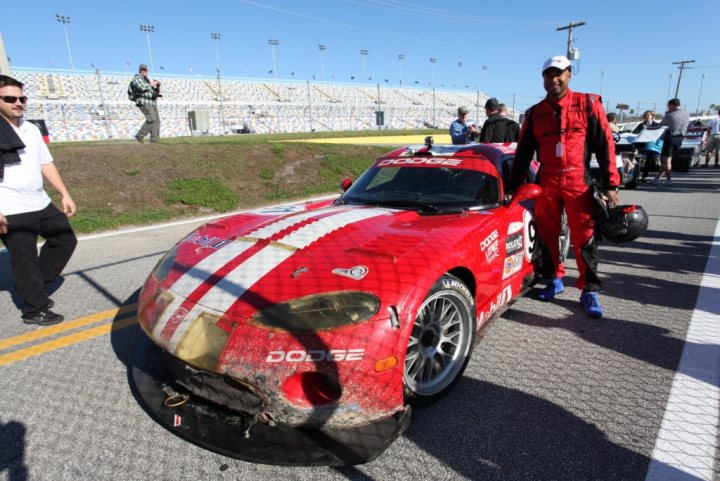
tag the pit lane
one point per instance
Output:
(549, 394)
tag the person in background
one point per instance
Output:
(713, 141)
(497, 127)
(564, 129)
(26, 210)
(651, 158)
(612, 122)
(147, 92)
(676, 120)
(462, 132)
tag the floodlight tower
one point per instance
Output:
(363, 54)
(65, 20)
(273, 43)
(322, 49)
(216, 36)
(401, 57)
(148, 29)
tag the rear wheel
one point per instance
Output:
(441, 341)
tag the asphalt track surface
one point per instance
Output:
(549, 394)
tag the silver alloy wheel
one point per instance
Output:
(439, 343)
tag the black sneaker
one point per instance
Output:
(51, 303)
(46, 317)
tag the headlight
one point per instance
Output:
(162, 269)
(319, 311)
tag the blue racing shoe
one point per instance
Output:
(555, 286)
(591, 303)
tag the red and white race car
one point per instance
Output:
(303, 334)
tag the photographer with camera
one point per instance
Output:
(145, 92)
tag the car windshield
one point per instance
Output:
(429, 189)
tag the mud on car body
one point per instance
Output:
(303, 334)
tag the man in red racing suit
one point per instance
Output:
(565, 129)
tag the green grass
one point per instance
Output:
(118, 183)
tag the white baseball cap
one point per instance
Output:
(559, 62)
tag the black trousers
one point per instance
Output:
(33, 272)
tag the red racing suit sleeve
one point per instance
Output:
(600, 142)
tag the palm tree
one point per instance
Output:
(622, 107)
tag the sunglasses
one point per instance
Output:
(11, 99)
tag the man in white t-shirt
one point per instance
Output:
(26, 210)
(713, 141)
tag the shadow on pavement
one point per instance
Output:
(12, 454)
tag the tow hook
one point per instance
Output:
(174, 399)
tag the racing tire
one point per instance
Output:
(440, 343)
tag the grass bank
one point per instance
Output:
(119, 182)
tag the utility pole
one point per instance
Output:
(569, 28)
(681, 67)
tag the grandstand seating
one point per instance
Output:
(94, 106)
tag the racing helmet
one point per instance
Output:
(625, 223)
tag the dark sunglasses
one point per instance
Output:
(11, 99)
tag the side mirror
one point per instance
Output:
(525, 192)
(346, 183)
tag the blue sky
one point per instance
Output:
(627, 49)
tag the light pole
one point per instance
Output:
(702, 80)
(148, 29)
(322, 64)
(602, 75)
(363, 54)
(432, 77)
(460, 65)
(273, 43)
(401, 57)
(667, 97)
(484, 69)
(216, 37)
(65, 20)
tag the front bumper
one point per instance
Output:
(249, 438)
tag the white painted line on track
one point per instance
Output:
(685, 446)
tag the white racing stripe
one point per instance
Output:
(195, 276)
(227, 291)
(685, 446)
(308, 234)
(231, 287)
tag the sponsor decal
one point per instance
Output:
(502, 298)
(530, 234)
(512, 264)
(515, 227)
(316, 355)
(357, 272)
(178, 316)
(493, 236)
(177, 421)
(420, 161)
(513, 244)
(490, 246)
(205, 241)
(459, 286)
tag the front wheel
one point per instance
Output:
(441, 341)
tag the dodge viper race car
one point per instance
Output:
(304, 334)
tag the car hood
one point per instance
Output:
(244, 263)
